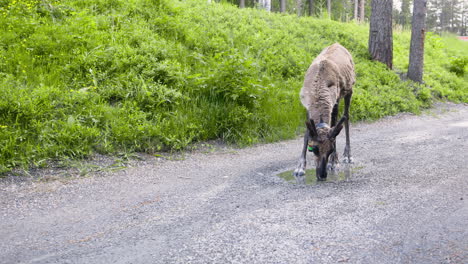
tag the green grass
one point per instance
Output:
(106, 76)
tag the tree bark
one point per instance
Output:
(380, 33)
(362, 9)
(418, 31)
(356, 3)
(299, 7)
(329, 8)
(282, 6)
(267, 5)
(242, 4)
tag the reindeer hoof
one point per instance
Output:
(332, 166)
(348, 160)
(299, 174)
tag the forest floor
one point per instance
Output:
(404, 200)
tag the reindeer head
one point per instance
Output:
(322, 144)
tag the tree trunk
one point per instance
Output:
(299, 7)
(311, 7)
(242, 4)
(356, 3)
(282, 6)
(362, 9)
(267, 5)
(329, 8)
(418, 30)
(380, 33)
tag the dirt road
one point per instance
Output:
(404, 202)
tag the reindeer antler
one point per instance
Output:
(337, 129)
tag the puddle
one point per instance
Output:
(343, 174)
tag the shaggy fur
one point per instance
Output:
(329, 78)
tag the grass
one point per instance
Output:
(111, 76)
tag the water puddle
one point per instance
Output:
(343, 174)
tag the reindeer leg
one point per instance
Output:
(334, 156)
(347, 150)
(299, 172)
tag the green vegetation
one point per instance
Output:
(111, 76)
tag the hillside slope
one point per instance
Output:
(113, 76)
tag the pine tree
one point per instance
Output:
(380, 32)
(311, 7)
(282, 6)
(418, 33)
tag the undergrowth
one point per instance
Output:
(106, 76)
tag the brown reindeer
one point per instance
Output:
(329, 78)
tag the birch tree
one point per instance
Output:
(356, 4)
(265, 4)
(299, 7)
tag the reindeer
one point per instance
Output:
(329, 78)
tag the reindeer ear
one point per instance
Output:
(311, 127)
(337, 129)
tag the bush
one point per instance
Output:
(458, 65)
(107, 76)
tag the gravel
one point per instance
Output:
(404, 202)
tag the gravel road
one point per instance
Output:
(404, 202)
